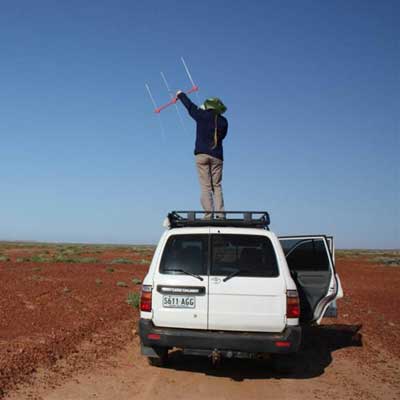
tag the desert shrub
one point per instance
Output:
(121, 261)
(40, 258)
(69, 251)
(4, 258)
(372, 254)
(98, 282)
(143, 261)
(122, 284)
(136, 281)
(109, 269)
(387, 260)
(351, 253)
(87, 260)
(94, 250)
(64, 259)
(143, 249)
(133, 299)
(68, 259)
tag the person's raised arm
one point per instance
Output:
(195, 112)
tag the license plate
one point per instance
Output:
(179, 301)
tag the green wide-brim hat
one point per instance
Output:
(214, 103)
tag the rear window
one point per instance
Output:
(187, 252)
(249, 255)
(306, 254)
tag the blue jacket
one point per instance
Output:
(205, 120)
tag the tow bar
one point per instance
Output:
(216, 358)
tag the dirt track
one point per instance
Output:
(127, 376)
(354, 357)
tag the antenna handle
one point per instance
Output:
(174, 100)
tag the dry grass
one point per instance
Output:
(382, 257)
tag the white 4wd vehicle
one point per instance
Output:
(230, 287)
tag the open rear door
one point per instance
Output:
(311, 263)
(331, 311)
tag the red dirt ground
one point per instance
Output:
(372, 300)
(47, 309)
(50, 311)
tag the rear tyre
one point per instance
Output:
(161, 360)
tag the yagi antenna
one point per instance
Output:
(172, 96)
(174, 99)
(155, 106)
(151, 96)
(189, 76)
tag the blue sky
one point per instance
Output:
(312, 90)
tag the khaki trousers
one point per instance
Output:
(210, 176)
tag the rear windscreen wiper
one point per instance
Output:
(234, 273)
(184, 272)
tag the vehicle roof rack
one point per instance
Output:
(244, 219)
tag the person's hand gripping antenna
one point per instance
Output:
(175, 99)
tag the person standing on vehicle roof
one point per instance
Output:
(211, 130)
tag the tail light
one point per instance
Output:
(283, 344)
(292, 304)
(145, 298)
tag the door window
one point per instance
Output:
(306, 254)
(246, 255)
(185, 252)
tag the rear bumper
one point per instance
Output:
(284, 342)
